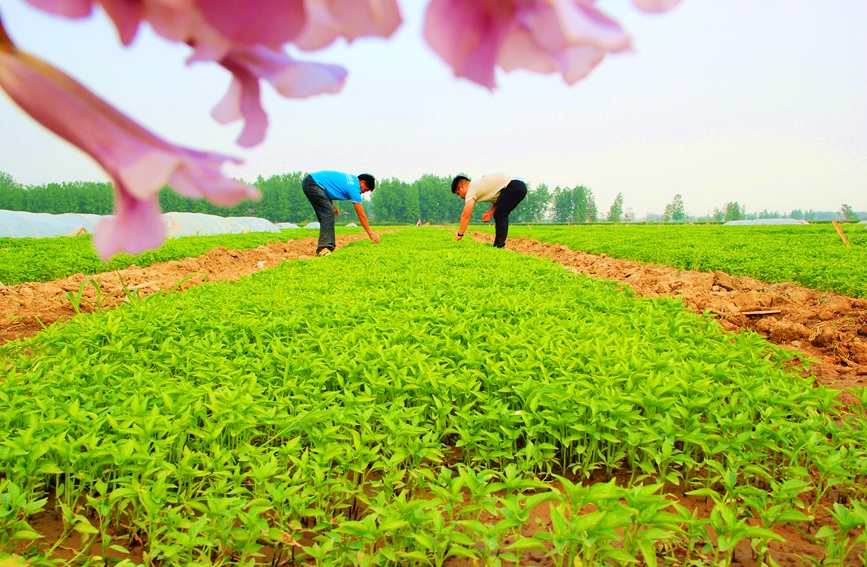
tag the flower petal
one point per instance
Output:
(329, 19)
(255, 22)
(654, 6)
(139, 162)
(468, 35)
(66, 8)
(134, 227)
(291, 78)
(126, 15)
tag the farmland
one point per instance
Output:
(423, 402)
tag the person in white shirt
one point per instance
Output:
(503, 191)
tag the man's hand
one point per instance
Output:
(374, 237)
(458, 237)
(336, 212)
(487, 216)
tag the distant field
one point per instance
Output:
(811, 255)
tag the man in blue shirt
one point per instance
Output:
(324, 187)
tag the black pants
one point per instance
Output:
(510, 196)
(324, 213)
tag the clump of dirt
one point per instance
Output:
(26, 309)
(827, 327)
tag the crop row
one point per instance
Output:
(45, 259)
(811, 255)
(412, 402)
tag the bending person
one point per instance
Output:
(323, 188)
(501, 190)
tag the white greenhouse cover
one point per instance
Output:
(764, 221)
(198, 224)
(312, 225)
(286, 225)
(21, 224)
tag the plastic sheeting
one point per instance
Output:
(286, 225)
(198, 224)
(311, 225)
(21, 224)
(764, 221)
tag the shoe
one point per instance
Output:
(324, 252)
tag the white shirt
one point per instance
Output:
(488, 188)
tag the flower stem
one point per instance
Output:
(5, 43)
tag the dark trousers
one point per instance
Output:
(509, 198)
(324, 212)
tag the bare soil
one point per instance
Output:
(824, 326)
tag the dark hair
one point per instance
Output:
(369, 180)
(457, 180)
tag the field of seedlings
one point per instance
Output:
(426, 402)
(811, 255)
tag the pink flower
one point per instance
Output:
(291, 78)
(329, 19)
(138, 162)
(566, 36)
(655, 5)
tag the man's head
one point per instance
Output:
(459, 185)
(367, 182)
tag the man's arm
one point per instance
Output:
(487, 216)
(359, 210)
(336, 212)
(465, 217)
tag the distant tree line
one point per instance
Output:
(428, 199)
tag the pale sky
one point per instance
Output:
(763, 102)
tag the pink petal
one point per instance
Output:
(655, 5)
(581, 24)
(126, 15)
(566, 36)
(255, 22)
(291, 78)
(66, 8)
(468, 34)
(329, 19)
(135, 227)
(139, 162)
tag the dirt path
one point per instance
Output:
(827, 327)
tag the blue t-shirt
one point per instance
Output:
(338, 186)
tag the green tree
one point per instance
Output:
(848, 214)
(592, 211)
(395, 201)
(674, 211)
(535, 205)
(734, 211)
(437, 204)
(11, 194)
(615, 212)
(581, 204)
(563, 204)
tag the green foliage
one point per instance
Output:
(410, 402)
(616, 210)
(395, 201)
